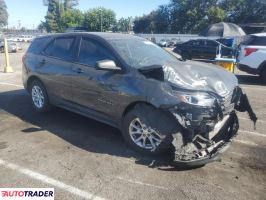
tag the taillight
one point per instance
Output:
(249, 51)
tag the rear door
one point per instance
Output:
(209, 50)
(54, 67)
(90, 86)
(196, 48)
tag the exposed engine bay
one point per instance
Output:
(206, 113)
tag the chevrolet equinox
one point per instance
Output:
(156, 100)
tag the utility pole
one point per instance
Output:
(7, 67)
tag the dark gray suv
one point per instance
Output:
(156, 100)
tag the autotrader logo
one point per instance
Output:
(27, 193)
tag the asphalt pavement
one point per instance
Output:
(85, 159)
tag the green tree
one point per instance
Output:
(53, 16)
(124, 24)
(144, 24)
(162, 19)
(189, 16)
(42, 26)
(215, 14)
(244, 11)
(72, 18)
(97, 18)
(3, 14)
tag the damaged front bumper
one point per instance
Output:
(207, 132)
(201, 150)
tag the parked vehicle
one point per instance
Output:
(164, 43)
(12, 47)
(202, 49)
(252, 56)
(153, 39)
(25, 38)
(13, 39)
(173, 42)
(130, 83)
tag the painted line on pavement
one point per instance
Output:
(246, 142)
(253, 133)
(45, 179)
(141, 183)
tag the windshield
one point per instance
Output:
(141, 53)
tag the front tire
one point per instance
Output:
(39, 97)
(149, 130)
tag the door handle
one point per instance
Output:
(78, 70)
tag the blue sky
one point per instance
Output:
(31, 12)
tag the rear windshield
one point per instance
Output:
(255, 40)
(38, 45)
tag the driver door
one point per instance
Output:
(91, 88)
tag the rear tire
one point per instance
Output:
(39, 97)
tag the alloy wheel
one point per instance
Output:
(37, 96)
(143, 136)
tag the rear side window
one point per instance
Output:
(38, 45)
(61, 48)
(211, 43)
(92, 51)
(196, 42)
(255, 40)
(191, 42)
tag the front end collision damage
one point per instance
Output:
(207, 130)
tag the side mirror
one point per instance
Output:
(107, 65)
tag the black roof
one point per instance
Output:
(103, 35)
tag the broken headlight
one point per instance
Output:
(197, 98)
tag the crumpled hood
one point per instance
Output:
(200, 76)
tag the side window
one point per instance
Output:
(211, 43)
(196, 43)
(38, 45)
(189, 43)
(61, 48)
(91, 52)
(259, 41)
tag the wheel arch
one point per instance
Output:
(133, 104)
(148, 108)
(31, 79)
(262, 67)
